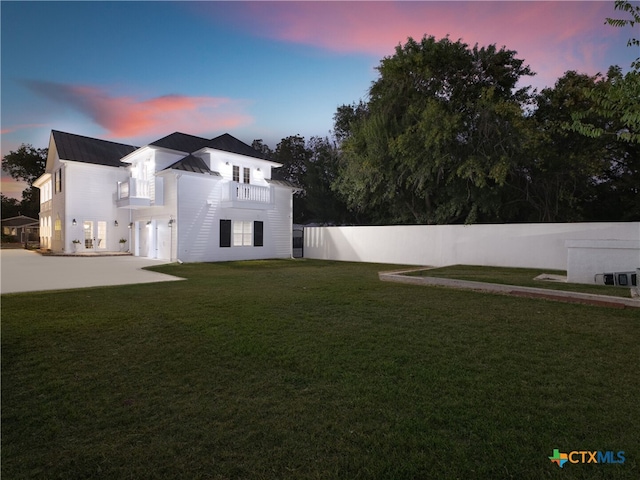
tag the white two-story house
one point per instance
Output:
(181, 197)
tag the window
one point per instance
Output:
(246, 174)
(225, 233)
(258, 228)
(57, 178)
(57, 229)
(242, 234)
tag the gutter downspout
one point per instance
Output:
(175, 224)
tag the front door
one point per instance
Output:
(87, 227)
(95, 235)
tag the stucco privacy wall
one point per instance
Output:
(532, 245)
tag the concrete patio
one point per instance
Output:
(29, 271)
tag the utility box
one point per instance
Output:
(605, 262)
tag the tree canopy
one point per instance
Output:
(620, 102)
(25, 164)
(446, 136)
(437, 138)
(312, 165)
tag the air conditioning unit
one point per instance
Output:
(619, 279)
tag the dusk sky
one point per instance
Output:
(133, 72)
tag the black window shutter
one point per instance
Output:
(225, 233)
(257, 234)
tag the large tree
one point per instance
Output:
(561, 175)
(10, 207)
(313, 166)
(322, 203)
(621, 102)
(438, 137)
(292, 153)
(26, 164)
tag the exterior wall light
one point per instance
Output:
(73, 222)
(130, 224)
(115, 224)
(148, 222)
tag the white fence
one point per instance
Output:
(532, 245)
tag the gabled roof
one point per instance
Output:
(227, 143)
(191, 163)
(283, 183)
(278, 178)
(181, 142)
(19, 221)
(102, 152)
(90, 150)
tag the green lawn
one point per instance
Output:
(523, 277)
(312, 370)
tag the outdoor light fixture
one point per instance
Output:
(115, 224)
(170, 222)
(148, 222)
(130, 224)
(74, 223)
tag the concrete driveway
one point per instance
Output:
(26, 271)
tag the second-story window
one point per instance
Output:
(57, 177)
(236, 173)
(246, 175)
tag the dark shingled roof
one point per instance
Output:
(283, 183)
(181, 142)
(102, 152)
(278, 177)
(190, 143)
(192, 164)
(231, 144)
(90, 150)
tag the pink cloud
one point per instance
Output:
(11, 188)
(129, 117)
(15, 128)
(551, 37)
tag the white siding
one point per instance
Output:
(199, 215)
(88, 194)
(158, 236)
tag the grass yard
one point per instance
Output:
(312, 370)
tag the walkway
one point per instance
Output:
(531, 292)
(28, 271)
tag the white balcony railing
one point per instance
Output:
(133, 188)
(245, 192)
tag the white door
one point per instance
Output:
(143, 239)
(101, 237)
(87, 228)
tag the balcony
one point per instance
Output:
(245, 195)
(45, 206)
(134, 193)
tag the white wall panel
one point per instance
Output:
(89, 195)
(199, 215)
(513, 245)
